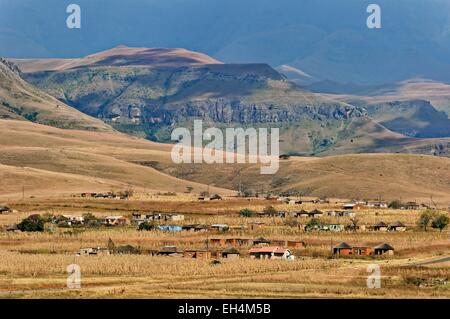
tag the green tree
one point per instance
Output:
(33, 223)
(90, 220)
(425, 219)
(147, 226)
(395, 204)
(246, 212)
(440, 222)
(314, 223)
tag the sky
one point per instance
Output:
(327, 39)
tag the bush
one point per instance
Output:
(90, 220)
(440, 222)
(128, 250)
(314, 223)
(147, 226)
(246, 212)
(33, 223)
(395, 204)
(425, 218)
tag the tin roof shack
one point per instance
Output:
(198, 254)
(93, 251)
(296, 243)
(302, 213)
(138, 218)
(377, 204)
(342, 249)
(12, 228)
(170, 228)
(174, 217)
(315, 213)
(271, 253)
(216, 197)
(5, 210)
(397, 226)
(261, 241)
(115, 221)
(411, 206)
(384, 249)
(230, 253)
(195, 227)
(71, 220)
(220, 227)
(341, 214)
(333, 227)
(353, 206)
(169, 251)
(381, 226)
(238, 241)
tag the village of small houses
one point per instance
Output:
(167, 245)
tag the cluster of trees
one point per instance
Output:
(436, 220)
(249, 213)
(36, 222)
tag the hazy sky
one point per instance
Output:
(327, 38)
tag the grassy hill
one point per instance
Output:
(20, 100)
(49, 160)
(53, 161)
(363, 176)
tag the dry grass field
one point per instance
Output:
(33, 265)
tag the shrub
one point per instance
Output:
(425, 219)
(33, 223)
(147, 226)
(90, 220)
(246, 212)
(440, 222)
(395, 204)
(314, 223)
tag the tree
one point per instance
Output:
(354, 223)
(33, 223)
(189, 189)
(425, 219)
(111, 246)
(314, 223)
(440, 222)
(395, 204)
(270, 210)
(90, 220)
(246, 212)
(147, 226)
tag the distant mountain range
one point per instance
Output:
(325, 39)
(147, 92)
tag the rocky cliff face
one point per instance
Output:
(150, 101)
(236, 111)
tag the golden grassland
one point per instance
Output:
(46, 161)
(33, 265)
